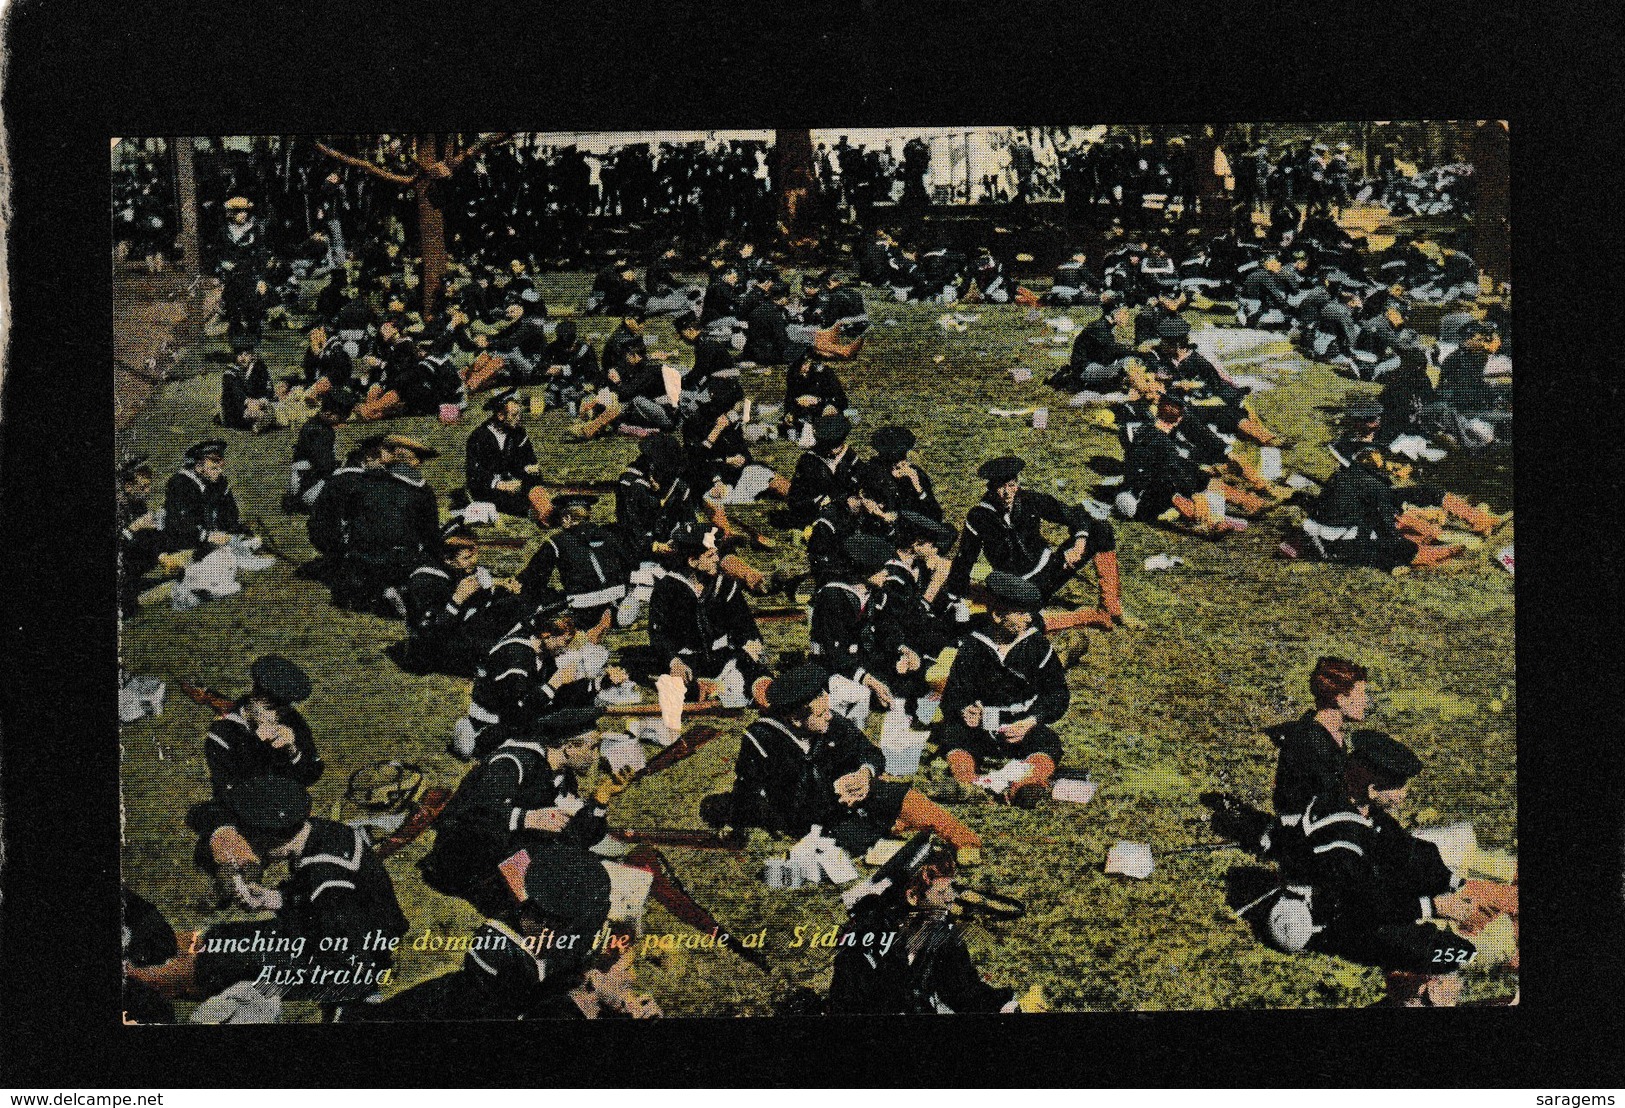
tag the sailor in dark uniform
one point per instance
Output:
(315, 453)
(1149, 320)
(1265, 296)
(1160, 473)
(240, 245)
(570, 366)
(519, 682)
(899, 484)
(200, 512)
(246, 394)
(264, 734)
(1361, 887)
(501, 462)
(1356, 519)
(455, 611)
(141, 544)
(147, 939)
(328, 940)
(811, 390)
(1006, 525)
(841, 518)
(712, 355)
(624, 341)
(925, 968)
(767, 340)
(802, 766)
(332, 513)
(1097, 356)
(700, 623)
(1315, 747)
(591, 561)
(524, 793)
(1213, 397)
(525, 961)
(913, 625)
(824, 473)
(653, 496)
(842, 634)
(1005, 688)
(394, 524)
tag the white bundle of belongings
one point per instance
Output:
(1130, 860)
(1002, 779)
(1073, 791)
(623, 752)
(215, 574)
(817, 857)
(1158, 562)
(480, 511)
(1064, 325)
(244, 1002)
(139, 698)
(753, 481)
(629, 889)
(1415, 447)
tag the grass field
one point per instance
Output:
(1158, 715)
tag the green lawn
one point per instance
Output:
(1158, 715)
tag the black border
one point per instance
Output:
(78, 74)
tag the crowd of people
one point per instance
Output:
(910, 615)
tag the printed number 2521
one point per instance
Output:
(1455, 955)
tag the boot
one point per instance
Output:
(1479, 520)
(962, 765)
(1417, 526)
(592, 428)
(778, 487)
(1030, 791)
(541, 505)
(1258, 432)
(1245, 503)
(1111, 589)
(1083, 617)
(1434, 555)
(753, 579)
(920, 814)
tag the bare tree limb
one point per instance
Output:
(363, 164)
(489, 140)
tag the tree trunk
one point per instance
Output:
(186, 202)
(432, 238)
(794, 178)
(1210, 196)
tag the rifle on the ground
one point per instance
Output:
(219, 702)
(686, 745)
(698, 708)
(668, 891)
(694, 838)
(424, 813)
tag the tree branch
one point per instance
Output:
(456, 160)
(362, 163)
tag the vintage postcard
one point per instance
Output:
(730, 573)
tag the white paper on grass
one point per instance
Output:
(837, 865)
(480, 511)
(214, 575)
(629, 889)
(1130, 860)
(1298, 481)
(1073, 791)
